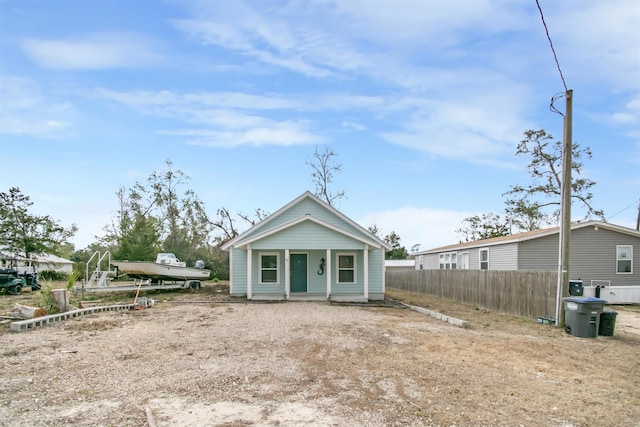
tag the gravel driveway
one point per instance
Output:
(200, 360)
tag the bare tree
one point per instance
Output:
(323, 170)
(546, 171)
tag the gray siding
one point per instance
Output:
(539, 254)
(503, 257)
(592, 255)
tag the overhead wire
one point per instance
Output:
(555, 57)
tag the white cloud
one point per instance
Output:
(428, 227)
(285, 133)
(27, 110)
(601, 37)
(93, 52)
(353, 126)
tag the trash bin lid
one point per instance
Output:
(584, 299)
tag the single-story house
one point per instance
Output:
(307, 250)
(399, 264)
(38, 262)
(601, 256)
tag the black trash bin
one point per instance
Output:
(607, 323)
(576, 288)
(582, 316)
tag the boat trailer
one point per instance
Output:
(101, 279)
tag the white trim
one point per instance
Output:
(287, 273)
(480, 258)
(296, 221)
(260, 268)
(355, 267)
(328, 272)
(365, 262)
(384, 275)
(231, 271)
(619, 259)
(375, 241)
(249, 279)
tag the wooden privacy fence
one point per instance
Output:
(529, 294)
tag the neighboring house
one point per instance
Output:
(41, 262)
(601, 255)
(48, 262)
(399, 264)
(307, 250)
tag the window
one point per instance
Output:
(346, 268)
(420, 262)
(624, 258)
(448, 261)
(269, 268)
(484, 259)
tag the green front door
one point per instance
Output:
(298, 273)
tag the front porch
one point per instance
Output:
(304, 296)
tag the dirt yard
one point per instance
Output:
(199, 358)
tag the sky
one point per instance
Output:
(423, 103)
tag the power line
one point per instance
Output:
(555, 57)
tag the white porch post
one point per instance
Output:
(287, 274)
(384, 272)
(366, 271)
(249, 279)
(231, 249)
(328, 272)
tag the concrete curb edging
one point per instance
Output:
(23, 325)
(439, 316)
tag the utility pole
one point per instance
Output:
(565, 206)
(638, 217)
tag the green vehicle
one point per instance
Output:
(10, 282)
(14, 278)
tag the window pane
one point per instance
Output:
(269, 261)
(624, 252)
(345, 261)
(346, 276)
(624, 266)
(269, 276)
(484, 255)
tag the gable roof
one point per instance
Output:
(529, 235)
(262, 230)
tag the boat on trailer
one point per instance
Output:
(166, 267)
(167, 272)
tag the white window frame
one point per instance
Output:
(620, 258)
(446, 260)
(355, 268)
(480, 258)
(261, 269)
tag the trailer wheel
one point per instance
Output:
(195, 284)
(16, 290)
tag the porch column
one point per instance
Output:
(231, 270)
(384, 272)
(366, 271)
(328, 272)
(249, 279)
(287, 274)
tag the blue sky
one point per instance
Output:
(424, 103)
